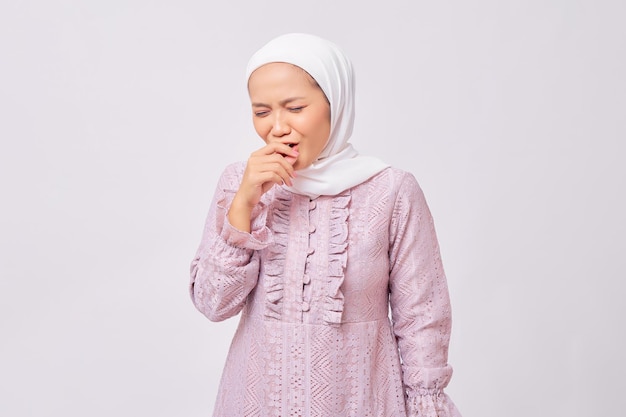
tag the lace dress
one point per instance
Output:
(315, 281)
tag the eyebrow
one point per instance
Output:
(282, 102)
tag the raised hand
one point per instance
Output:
(266, 167)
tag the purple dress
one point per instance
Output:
(315, 281)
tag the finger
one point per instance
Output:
(278, 168)
(276, 180)
(276, 147)
(269, 162)
(269, 168)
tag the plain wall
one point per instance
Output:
(116, 118)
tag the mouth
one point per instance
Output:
(292, 145)
(289, 158)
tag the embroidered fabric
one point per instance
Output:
(314, 282)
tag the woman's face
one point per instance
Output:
(289, 107)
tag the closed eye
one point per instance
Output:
(261, 113)
(296, 109)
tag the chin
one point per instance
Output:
(298, 166)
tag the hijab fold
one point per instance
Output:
(339, 166)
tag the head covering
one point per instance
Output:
(339, 166)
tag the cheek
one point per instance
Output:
(323, 127)
(260, 128)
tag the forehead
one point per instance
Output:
(280, 74)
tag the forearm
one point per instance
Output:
(221, 280)
(226, 266)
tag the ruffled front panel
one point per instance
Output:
(337, 257)
(274, 264)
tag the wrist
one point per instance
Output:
(239, 214)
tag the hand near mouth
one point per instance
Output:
(289, 156)
(270, 165)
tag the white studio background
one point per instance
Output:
(116, 118)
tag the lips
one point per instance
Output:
(289, 158)
(293, 145)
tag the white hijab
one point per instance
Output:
(339, 165)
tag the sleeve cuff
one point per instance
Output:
(259, 237)
(430, 403)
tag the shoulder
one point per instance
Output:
(231, 176)
(402, 192)
(394, 181)
(235, 168)
(390, 191)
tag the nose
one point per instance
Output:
(280, 127)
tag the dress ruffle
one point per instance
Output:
(337, 257)
(275, 264)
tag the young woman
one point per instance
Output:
(314, 244)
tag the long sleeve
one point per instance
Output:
(226, 266)
(420, 304)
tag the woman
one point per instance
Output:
(314, 244)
